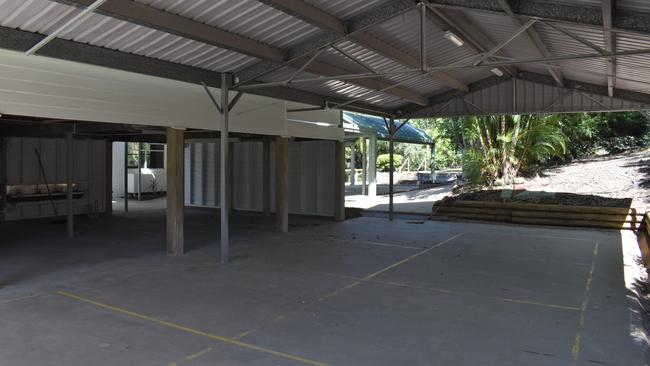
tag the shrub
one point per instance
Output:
(383, 162)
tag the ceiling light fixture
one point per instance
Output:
(497, 72)
(453, 38)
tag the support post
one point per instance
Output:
(391, 151)
(3, 178)
(139, 170)
(364, 166)
(281, 184)
(231, 177)
(108, 178)
(266, 178)
(372, 165)
(69, 174)
(352, 165)
(126, 176)
(339, 181)
(175, 190)
(432, 148)
(224, 168)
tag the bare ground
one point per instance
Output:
(617, 176)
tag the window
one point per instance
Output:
(153, 155)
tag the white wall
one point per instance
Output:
(311, 176)
(89, 174)
(45, 87)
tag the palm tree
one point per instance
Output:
(498, 147)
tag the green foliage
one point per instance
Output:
(498, 148)
(383, 162)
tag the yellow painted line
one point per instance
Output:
(554, 306)
(575, 349)
(394, 265)
(377, 243)
(534, 236)
(198, 354)
(399, 263)
(359, 280)
(18, 299)
(167, 324)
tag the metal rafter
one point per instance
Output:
(151, 17)
(571, 86)
(534, 39)
(609, 7)
(506, 41)
(467, 66)
(474, 40)
(576, 37)
(550, 10)
(358, 24)
(324, 20)
(21, 41)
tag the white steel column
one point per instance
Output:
(139, 170)
(224, 180)
(126, 176)
(266, 178)
(364, 166)
(391, 173)
(432, 148)
(339, 181)
(372, 165)
(281, 184)
(69, 177)
(352, 161)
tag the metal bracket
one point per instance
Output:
(214, 101)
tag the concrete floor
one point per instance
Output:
(362, 292)
(407, 199)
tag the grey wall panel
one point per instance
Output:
(528, 97)
(89, 174)
(247, 176)
(311, 176)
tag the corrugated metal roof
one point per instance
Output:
(257, 21)
(345, 9)
(407, 133)
(42, 16)
(634, 5)
(248, 18)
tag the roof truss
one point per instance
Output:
(323, 20)
(151, 17)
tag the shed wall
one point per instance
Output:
(89, 174)
(311, 176)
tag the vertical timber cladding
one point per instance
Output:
(311, 175)
(23, 170)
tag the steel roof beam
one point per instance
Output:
(324, 20)
(583, 15)
(21, 41)
(609, 7)
(570, 85)
(474, 40)
(361, 23)
(151, 17)
(308, 13)
(536, 40)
